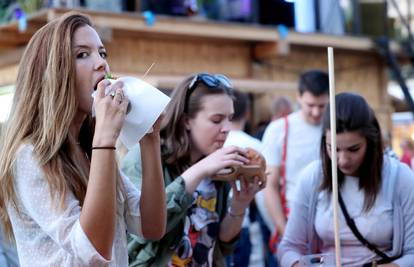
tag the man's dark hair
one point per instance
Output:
(241, 105)
(315, 82)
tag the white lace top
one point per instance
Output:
(48, 236)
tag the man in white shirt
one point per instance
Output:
(302, 144)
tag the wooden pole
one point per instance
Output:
(333, 155)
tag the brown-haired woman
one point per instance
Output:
(376, 191)
(201, 225)
(62, 196)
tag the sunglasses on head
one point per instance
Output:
(209, 80)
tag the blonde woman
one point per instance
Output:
(62, 196)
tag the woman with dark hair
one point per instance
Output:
(202, 227)
(375, 192)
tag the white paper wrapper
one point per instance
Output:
(147, 104)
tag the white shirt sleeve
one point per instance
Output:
(273, 143)
(60, 224)
(132, 206)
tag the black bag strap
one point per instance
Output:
(351, 223)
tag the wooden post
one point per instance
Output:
(333, 155)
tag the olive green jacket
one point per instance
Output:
(158, 253)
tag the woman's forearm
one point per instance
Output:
(153, 202)
(99, 208)
(192, 178)
(231, 225)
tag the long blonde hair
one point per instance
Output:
(43, 109)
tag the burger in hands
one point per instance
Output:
(255, 168)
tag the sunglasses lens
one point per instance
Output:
(209, 80)
(224, 80)
(215, 80)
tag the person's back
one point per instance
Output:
(285, 157)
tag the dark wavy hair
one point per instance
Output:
(353, 114)
(176, 143)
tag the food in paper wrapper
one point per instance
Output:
(256, 167)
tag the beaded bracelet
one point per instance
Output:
(103, 147)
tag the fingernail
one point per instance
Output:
(106, 82)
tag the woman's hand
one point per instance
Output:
(154, 135)
(99, 208)
(210, 165)
(241, 199)
(110, 113)
(223, 158)
(244, 195)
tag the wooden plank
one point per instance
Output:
(178, 57)
(246, 85)
(11, 56)
(180, 26)
(13, 38)
(325, 40)
(269, 50)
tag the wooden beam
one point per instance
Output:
(185, 27)
(325, 40)
(10, 56)
(179, 26)
(247, 85)
(12, 38)
(270, 50)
